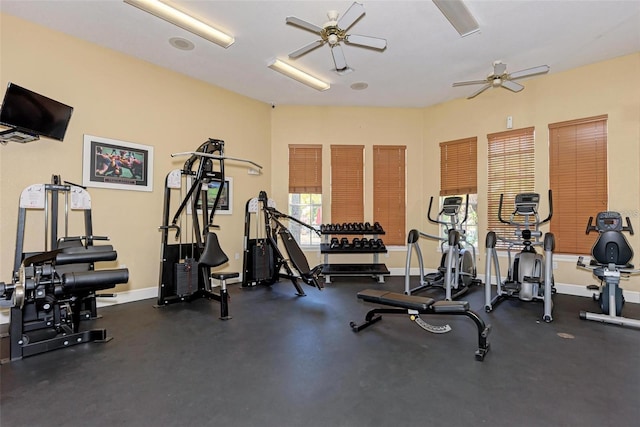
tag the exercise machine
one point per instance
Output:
(263, 261)
(53, 289)
(185, 267)
(414, 306)
(610, 261)
(530, 276)
(457, 270)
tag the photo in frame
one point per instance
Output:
(119, 165)
(225, 204)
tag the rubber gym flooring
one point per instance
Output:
(285, 361)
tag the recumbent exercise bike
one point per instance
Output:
(610, 260)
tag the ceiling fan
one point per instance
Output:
(500, 78)
(334, 32)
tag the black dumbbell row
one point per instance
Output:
(356, 243)
(356, 227)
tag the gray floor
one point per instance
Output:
(289, 361)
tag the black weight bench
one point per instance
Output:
(416, 305)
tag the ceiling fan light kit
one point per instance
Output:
(500, 78)
(298, 75)
(184, 21)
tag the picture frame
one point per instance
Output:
(117, 165)
(225, 205)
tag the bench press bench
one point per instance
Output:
(416, 305)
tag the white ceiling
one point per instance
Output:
(424, 54)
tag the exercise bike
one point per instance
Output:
(530, 276)
(610, 260)
(457, 270)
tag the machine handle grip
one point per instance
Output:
(435, 221)
(629, 227)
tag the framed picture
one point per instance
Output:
(120, 165)
(225, 204)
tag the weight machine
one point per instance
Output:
(53, 289)
(185, 267)
(530, 277)
(457, 270)
(263, 260)
(611, 255)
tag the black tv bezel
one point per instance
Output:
(36, 132)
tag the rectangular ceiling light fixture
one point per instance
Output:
(182, 20)
(459, 16)
(298, 75)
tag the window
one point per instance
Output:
(578, 179)
(459, 177)
(389, 177)
(347, 183)
(305, 191)
(511, 171)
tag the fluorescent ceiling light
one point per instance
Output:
(182, 20)
(459, 16)
(298, 75)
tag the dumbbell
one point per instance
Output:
(381, 244)
(367, 226)
(335, 243)
(374, 244)
(377, 226)
(357, 243)
(344, 243)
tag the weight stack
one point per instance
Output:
(185, 276)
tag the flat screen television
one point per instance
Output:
(33, 113)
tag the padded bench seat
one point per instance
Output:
(414, 305)
(412, 302)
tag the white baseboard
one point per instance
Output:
(146, 293)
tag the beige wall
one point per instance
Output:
(120, 97)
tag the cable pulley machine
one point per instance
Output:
(263, 261)
(185, 267)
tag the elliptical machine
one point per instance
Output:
(457, 270)
(610, 260)
(530, 276)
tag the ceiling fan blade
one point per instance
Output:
(305, 49)
(512, 86)
(303, 24)
(338, 58)
(479, 91)
(471, 82)
(355, 11)
(366, 41)
(529, 72)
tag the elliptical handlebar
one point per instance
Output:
(590, 227)
(548, 218)
(502, 220)
(435, 221)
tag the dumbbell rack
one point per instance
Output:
(374, 269)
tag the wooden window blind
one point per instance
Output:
(347, 183)
(459, 167)
(510, 171)
(578, 179)
(389, 177)
(305, 169)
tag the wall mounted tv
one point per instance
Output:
(33, 113)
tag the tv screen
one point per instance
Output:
(33, 113)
